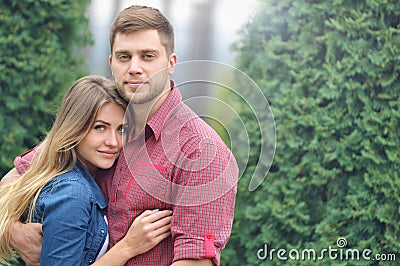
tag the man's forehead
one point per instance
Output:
(139, 41)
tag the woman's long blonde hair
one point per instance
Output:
(57, 155)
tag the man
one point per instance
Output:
(172, 158)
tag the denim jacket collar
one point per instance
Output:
(99, 198)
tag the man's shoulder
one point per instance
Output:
(186, 121)
(192, 133)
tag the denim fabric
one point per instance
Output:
(71, 209)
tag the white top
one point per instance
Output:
(103, 249)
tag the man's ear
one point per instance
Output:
(110, 60)
(172, 62)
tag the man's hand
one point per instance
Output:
(27, 241)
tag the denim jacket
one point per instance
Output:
(71, 209)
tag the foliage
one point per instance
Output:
(39, 40)
(330, 71)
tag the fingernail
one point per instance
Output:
(155, 210)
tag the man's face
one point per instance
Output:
(141, 66)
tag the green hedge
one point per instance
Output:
(40, 44)
(331, 73)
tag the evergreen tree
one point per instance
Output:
(39, 60)
(330, 71)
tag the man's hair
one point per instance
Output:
(136, 18)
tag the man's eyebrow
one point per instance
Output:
(149, 50)
(145, 50)
(121, 51)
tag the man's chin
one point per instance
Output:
(138, 98)
(126, 94)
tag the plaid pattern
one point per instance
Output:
(22, 161)
(177, 163)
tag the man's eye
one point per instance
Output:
(122, 129)
(148, 56)
(123, 57)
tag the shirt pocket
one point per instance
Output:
(149, 188)
(152, 178)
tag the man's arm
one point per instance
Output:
(21, 164)
(205, 262)
(27, 241)
(10, 177)
(25, 238)
(205, 202)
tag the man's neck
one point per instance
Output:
(142, 113)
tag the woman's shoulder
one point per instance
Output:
(72, 181)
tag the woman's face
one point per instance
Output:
(103, 143)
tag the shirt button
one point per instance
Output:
(102, 231)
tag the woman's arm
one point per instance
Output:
(66, 209)
(146, 231)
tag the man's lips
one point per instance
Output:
(134, 84)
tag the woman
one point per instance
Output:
(59, 188)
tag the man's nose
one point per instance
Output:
(135, 67)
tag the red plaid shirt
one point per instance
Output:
(177, 163)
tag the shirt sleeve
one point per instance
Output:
(206, 191)
(24, 160)
(65, 224)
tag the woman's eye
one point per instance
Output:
(99, 128)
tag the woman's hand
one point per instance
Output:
(146, 231)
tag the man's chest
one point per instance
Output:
(142, 180)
